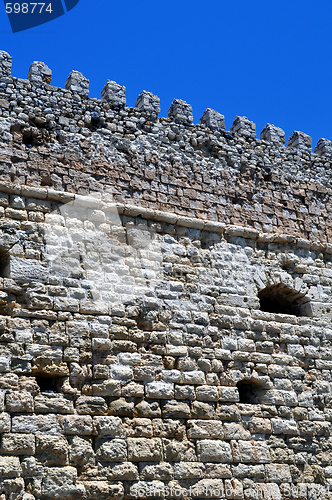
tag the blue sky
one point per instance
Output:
(269, 61)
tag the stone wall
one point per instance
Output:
(165, 301)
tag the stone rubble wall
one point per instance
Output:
(132, 258)
(61, 138)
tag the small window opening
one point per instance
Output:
(4, 264)
(48, 384)
(248, 392)
(280, 299)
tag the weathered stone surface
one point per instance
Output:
(165, 300)
(214, 451)
(148, 103)
(144, 449)
(52, 450)
(181, 112)
(114, 94)
(213, 119)
(62, 483)
(18, 444)
(39, 73)
(114, 450)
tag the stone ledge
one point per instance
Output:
(229, 230)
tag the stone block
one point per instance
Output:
(234, 430)
(189, 470)
(299, 140)
(81, 452)
(126, 471)
(207, 393)
(114, 450)
(19, 402)
(175, 409)
(108, 426)
(52, 450)
(148, 103)
(214, 451)
(114, 94)
(200, 429)
(4, 364)
(77, 424)
(36, 424)
(144, 449)
(271, 133)
(91, 405)
(229, 394)
(5, 64)
(250, 452)
(193, 377)
(107, 387)
(77, 83)
(18, 444)
(200, 409)
(213, 119)
(39, 73)
(61, 483)
(323, 147)
(53, 403)
(278, 473)
(181, 112)
(283, 426)
(162, 471)
(159, 390)
(244, 127)
(178, 451)
(5, 422)
(102, 490)
(10, 467)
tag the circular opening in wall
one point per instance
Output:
(281, 299)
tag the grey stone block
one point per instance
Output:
(77, 83)
(148, 103)
(39, 73)
(271, 133)
(114, 94)
(180, 112)
(213, 119)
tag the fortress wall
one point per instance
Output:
(145, 397)
(63, 139)
(138, 354)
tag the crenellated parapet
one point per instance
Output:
(113, 97)
(64, 139)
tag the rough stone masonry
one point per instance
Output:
(165, 300)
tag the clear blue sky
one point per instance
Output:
(270, 61)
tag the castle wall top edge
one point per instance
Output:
(148, 106)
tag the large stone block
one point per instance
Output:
(61, 483)
(181, 112)
(213, 119)
(18, 444)
(144, 449)
(148, 103)
(114, 94)
(214, 451)
(77, 83)
(114, 450)
(39, 73)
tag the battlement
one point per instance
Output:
(76, 92)
(62, 139)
